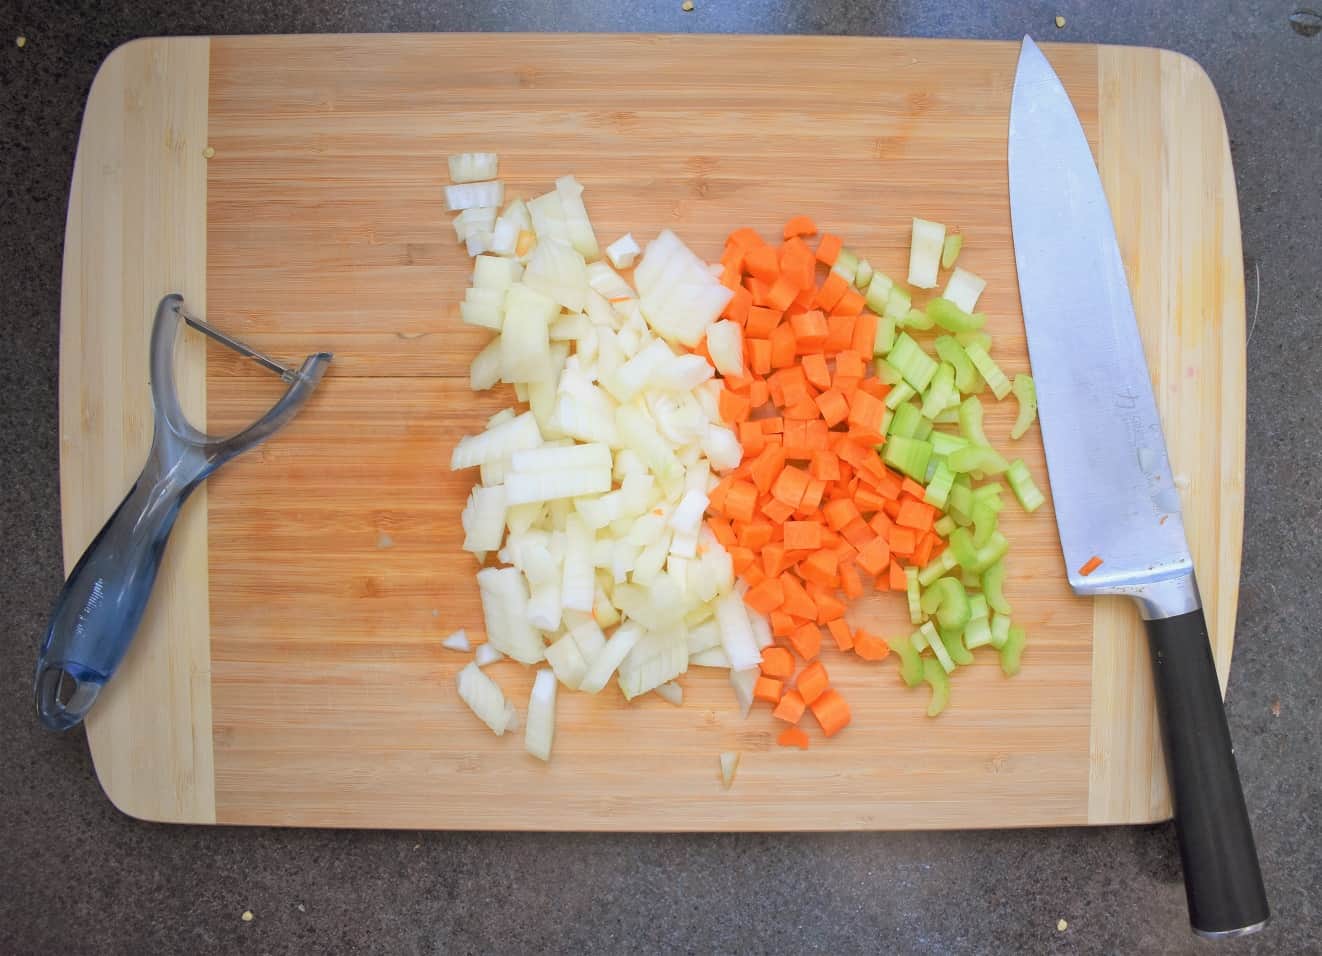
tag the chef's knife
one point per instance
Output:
(1111, 481)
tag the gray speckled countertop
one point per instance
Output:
(76, 876)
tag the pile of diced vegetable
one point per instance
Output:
(715, 460)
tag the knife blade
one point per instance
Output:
(1110, 479)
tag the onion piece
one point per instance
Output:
(925, 253)
(610, 657)
(472, 167)
(471, 195)
(623, 251)
(671, 693)
(964, 288)
(486, 654)
(729, 767)
(458, 641)
(540, 729)
(504, 593)
(483, 697)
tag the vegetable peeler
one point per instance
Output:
(102, 602)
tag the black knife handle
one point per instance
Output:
(1221, 874)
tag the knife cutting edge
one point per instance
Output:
(1116, 504)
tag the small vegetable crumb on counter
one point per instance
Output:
(713, 462)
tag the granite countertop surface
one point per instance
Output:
(76, 876)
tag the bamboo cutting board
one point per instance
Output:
(289, 670)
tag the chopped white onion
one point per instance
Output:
(540, 730)
(729, 766)
(964, 288)
(725, 343)
(742, 681)
(458, 641)
(671, 693)
(483, 697)
(925, 253)
(471, 195)
(486, 654)
(471, 167)
(504, 593)
(623, 251)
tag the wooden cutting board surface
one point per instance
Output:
(289, 670)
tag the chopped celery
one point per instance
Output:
(978, 606)
(911, 664)
(974, 558)
(969, 579)
(940, 683)
(924, 432)
(943, 443)
(929, 635)
(846, 263)
(950, 249)
(977, 458)
(1023, 486)
(863, 274)
(913, 363)
(1000, 630)
(954, 319)
(960, 503)
(898, 303)
(954, 642)
(970, 421)
(900, 394)
(907, 455)
(968, 338)
(944, 525)
(982, 361)
(943, 562)
(885, 337)
(1025, 392)
(948, 601)
(993, 586)
(940, 392)
(984, 521)
(1013, 650)
(887, 372)
(905, 422)
(938, 486)
(950, 416)
(879, 290)
(914, 595)
(990, 492)
(967, 379)
(915, 319)
(977, 634)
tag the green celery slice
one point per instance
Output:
(1023, 486)
(928, 634)
(939, 681)
(924, 431)
(899, 394)
(941, 392)
(943, 526)
(878, 292)
(898, 303)
(885, 337)
(970, 421)
(950, 249)
(939, 485)
(960, 503)
(993, 586)
(846, 263)
(984, 521)
(978, 607)
(954, 642)
(1025, 393)
(1000, 630)
(911, 663)
(967, 379)
(1013, 650)
(863, 274)
(947, 599)
(905, 421)
(941, 564)
(915, 319)
(907, 455)
(977, 634)
(982, 361)
(954, 319)
(968, 338)
(887, 373)
(914, 595)
(977, 458)
(973, 558)
(943, 443)
(913, 363)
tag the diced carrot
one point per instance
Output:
(752, 438)
(759, 355)
(809, 331)
(820, 568)
(817, 435)
(800, 226)
(766, 597)
(831, 290)
(736, 383)
(825, 465)
(857, 533)
(851, 363)
(741, 501)
(832, 712)
(745, 237)
(828, 248)
(879, 523)
(777, 511)
(782, 346)
(740, 559)
(761, 263)
(722, 531)
(898, 582)
(915, 514)
(782, 624)
(803, 534)
(865, 333)
(923, 553)
(840, 512)
(798, 263)
(839, 333)
(903, 541)
(761, 291)
(757, 393)
(736, 310)
(791, 706)
(891, 508)
(777, 662)
(869, 646)
(766, 468)
(812, 681)
(851, 303)
(790, 486)
(773, 561)
(850, 581)
(829, 607)
(867, 499)
(733, 406)
(844, 637)
(756, 535)
(874, 556)
(815, 370)
(753, 575)
(793, 737)
(733, 258)
(761, 322)
(797, 600)
(910, 487)
(783, 292)
(832, 407)
(773, 425)
(812, 496)
(807, 643)
(867, 412)
(768, 689)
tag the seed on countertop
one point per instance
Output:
(1061, 925)
(1060, 22)
(20, 42)
(687, 6)
(247, 916)
(209, 152)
